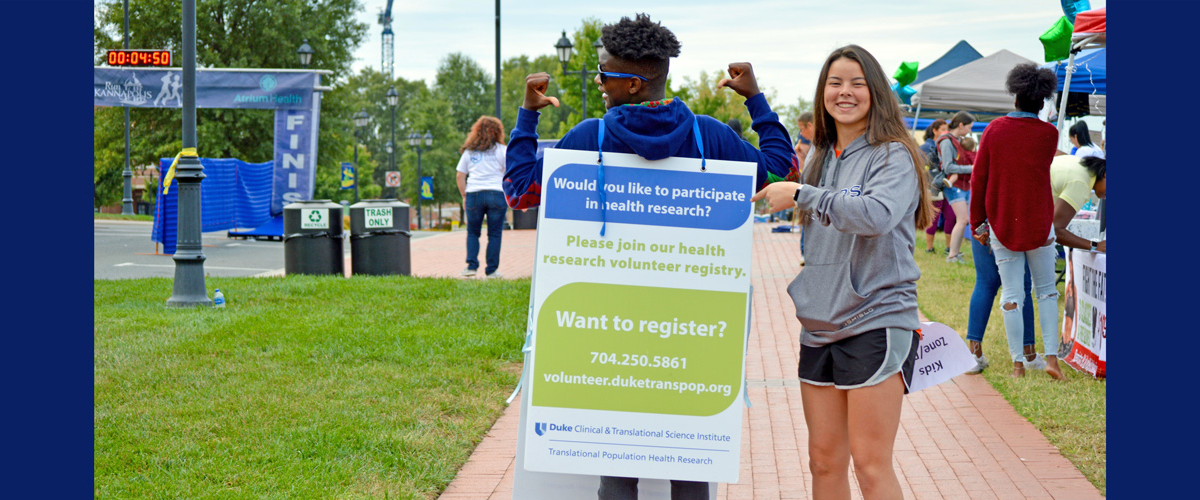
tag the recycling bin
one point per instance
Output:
(525, 219)
(379, 238)
(313, 238)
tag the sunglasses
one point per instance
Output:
(605, 75)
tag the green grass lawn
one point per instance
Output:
(380, 387)
(302, 387)
(1071, 415)
(145, 218)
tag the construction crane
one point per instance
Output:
(389, 59)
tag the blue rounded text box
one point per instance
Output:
(652, 197)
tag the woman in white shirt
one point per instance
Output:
(1082, 140)
(480, 177)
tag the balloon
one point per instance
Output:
(1056, 41)
(1072, 7)
(906, 73)
(905, 92)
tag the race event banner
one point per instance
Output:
(639, 335)
(292, 94)
(215, 88)
(1084, 338)
(295, 175)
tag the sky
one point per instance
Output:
(786, 41)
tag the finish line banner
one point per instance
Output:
(638, 336)
(290, 93)
(1084, 339)
(162, 88)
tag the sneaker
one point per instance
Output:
(1038, 363)
(802, 260)
(957, 259)
(981, 362)
(930, 250)
(468, 272)
(494, 275)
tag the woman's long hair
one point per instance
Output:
(1081, 134)
(485, 133)
(884, 125)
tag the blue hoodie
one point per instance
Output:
(653, 133)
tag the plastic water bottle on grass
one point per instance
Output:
(218, 299)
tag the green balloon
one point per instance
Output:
(906, 73)
(1056, 41)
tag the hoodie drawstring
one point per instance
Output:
(600, 175)
(600, 166)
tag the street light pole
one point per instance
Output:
(414, 140)
(361, 119)
(356, 139)
(188, 287)
(393, 98)
(564, 48)
(127, 191)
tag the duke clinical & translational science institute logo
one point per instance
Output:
(540, 428)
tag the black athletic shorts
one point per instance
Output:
(863, 360)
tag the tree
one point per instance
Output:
(583, 56)
(512, 92)
(789, 113)
(368, 91)
(704, 98)
(229, 34)
(464, 82)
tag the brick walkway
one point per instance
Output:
(957, 440)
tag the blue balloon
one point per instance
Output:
(905, 93)
(1072, 7)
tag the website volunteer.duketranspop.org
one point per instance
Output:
(639, 383)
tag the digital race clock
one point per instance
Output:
(139, 57)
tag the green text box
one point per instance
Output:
(667, 327)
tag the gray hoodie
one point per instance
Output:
(859, 272)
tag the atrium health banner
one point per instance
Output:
(162, 88)
(1084, 344)
(638, 336)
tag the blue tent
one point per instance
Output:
(958, 55)
(923, 123)
(1091, 72)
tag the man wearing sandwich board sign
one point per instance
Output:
(640, 297)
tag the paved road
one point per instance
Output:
(124, 250)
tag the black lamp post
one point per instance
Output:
(188, 288)
(564, 48)
(305, 53)
(361, 119)
(127, 175)
(414, 140)
(391, 148)
(393, 98)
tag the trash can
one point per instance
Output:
(313, 238)
(525, 219)
(379, 238)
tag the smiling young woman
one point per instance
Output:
(864, 196)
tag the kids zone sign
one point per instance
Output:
(294, 95)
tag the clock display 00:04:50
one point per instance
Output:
(139, 57)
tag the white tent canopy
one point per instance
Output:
(977, 86)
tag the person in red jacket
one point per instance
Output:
(1012, 208)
